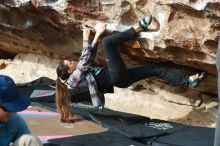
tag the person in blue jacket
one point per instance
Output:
(13, 129)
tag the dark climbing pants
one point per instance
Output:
(121, 76)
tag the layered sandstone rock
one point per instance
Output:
(185, 39)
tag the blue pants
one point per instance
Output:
(121, 76)
(217, 131)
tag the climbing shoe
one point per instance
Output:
(194, 80)
(145, 22)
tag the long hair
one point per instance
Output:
(63, 98)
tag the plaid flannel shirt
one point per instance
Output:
(82, 77)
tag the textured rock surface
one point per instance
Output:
(185, 40)
(28, 67)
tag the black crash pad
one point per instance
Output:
(191, 136)
(43, 90)
(98, 139)
(136, 127)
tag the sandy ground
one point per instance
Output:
(51, 126)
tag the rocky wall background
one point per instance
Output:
(36, 34)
